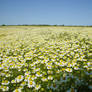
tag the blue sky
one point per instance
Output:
(68, 12)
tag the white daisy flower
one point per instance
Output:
(38, 74)
(44, 79)
(33, 77)
(37, 87)
(68, 69)
(23, 83)
(19, 78)
(17, 90)
(5, 82)
(13, 81)
(50, 77)
(27, 73)
(31, 84)
(49, 67)
(5, 88)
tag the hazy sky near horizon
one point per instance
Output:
(68, 12)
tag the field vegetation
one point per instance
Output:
(45, 59)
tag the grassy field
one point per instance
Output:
(45, 59)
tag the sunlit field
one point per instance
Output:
(45, 59)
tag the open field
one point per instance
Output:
(45, 59)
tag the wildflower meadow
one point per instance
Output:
(45, 59)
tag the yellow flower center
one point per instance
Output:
(30, 82)
(19, 77)
(16, 90)
(38, 73)
(30, 79)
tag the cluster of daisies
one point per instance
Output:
(52, 66)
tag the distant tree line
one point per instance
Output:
(3, 25)
(48, 25)
(32, 25)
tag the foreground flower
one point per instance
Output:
(19, 78)
(17, 90)
(13, 81)
(38, 74)
(37, 87)
(23, 83)
(68, 69)
(50, 77)
(44, 79)
(4, 88)
(31, 84)
(5, 82)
